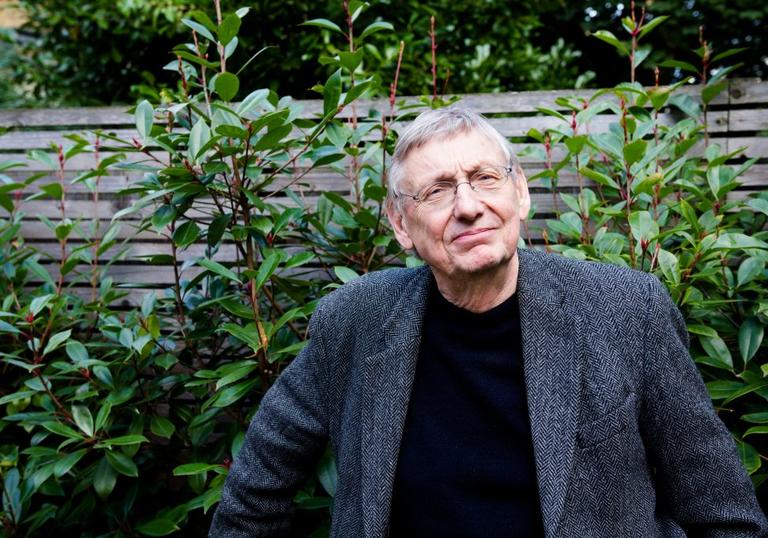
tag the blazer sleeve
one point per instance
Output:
(700, 481)
(284, 441)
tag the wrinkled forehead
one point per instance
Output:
(459, 152)
(406, 146)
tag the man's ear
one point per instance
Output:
(397, 219)
(523, 196)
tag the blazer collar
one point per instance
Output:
(552, 347)
(552, 354)
(388, 379)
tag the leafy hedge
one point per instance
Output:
(124, 422)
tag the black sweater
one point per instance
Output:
(466, 461)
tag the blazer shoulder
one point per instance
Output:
(595, 281)
(376, 292)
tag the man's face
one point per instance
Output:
(476, 233)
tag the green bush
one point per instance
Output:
(658, 200)
(123, 423)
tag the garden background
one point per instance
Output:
(122, 409)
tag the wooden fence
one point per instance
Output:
(738, 117)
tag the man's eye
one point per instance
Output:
(437, 191)
(485, 178)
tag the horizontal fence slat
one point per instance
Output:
(741, 91)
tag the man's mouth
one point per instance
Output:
(471, 233)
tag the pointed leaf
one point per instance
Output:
(331, 93)
(650, 25)
(323, 23)
(219, 269)
(104, 479)
(750, 337)
(121, 463)
(376, 27)
(56, 340)
(83, 419)
(144, 117)
(186, 234)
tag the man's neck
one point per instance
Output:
(479, 292)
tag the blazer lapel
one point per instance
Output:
(552, 352)
(388, 381)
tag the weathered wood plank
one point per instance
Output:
(720, 121)
(741, 92)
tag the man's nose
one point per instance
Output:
(466, 204)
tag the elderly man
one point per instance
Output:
(494, 391)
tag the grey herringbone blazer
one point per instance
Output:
(626, 441)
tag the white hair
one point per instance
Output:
(440, 124)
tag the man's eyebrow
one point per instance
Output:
(450, 176)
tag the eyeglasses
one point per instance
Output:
(441, 194)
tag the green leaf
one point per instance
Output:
(750, 457)
(634, 151)
(229, 28)
(643, 225)
(83, 419)
(200, 29)
(351, 60)
(683, 66)
(722, 389)
(345, 274)
(266, 269)
(163, 216)
(157, 527)
(576, 143)
(328, 474)
(756, 429)
(217, 228)
(144, 117)
(62, 466)
(104, 479)
(56, 340)
(273, 138)
(377, 26)
(331, 93)
(650, 25)
(758, 204)
(102, 416)
(122, 463)
(251, 101)
(199, 136)
(230, 395)
(123, 440)
(38, 303)
(76, 351)
(227, 86)
(608, 37)
(219, 269)
(640, 55)
(748, 270)
(299, 259)
(702, 330)
(756, 418)
(738, 241)
(161, 426)
(248, 334)
(186, 234)
(195, 468)
(715, 347)
(323, 23)
(713, 90)
(750, 337)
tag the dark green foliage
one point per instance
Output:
(726, 24)
(124, 422)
